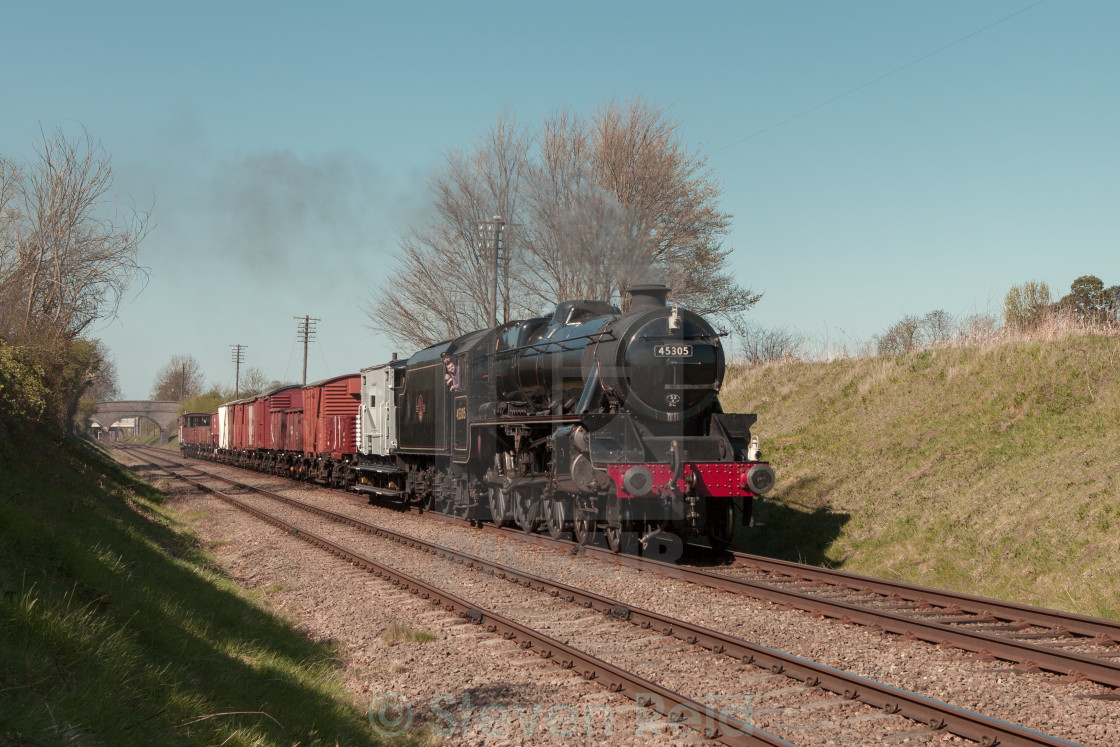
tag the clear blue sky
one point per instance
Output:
(286, 145)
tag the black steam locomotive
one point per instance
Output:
(588, 421)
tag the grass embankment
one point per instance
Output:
(990, 469)
(115, 628)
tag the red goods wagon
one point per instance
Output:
(256, 420)
(283, 405)
(214, 430)
(330, 416)
(291, 429)
(240, 441)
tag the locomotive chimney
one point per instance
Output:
(650, 296)
(394, 356)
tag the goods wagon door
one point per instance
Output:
(225, 427)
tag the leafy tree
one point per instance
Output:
(1087, 299)
(180, 378)
(208, 402)
(1026, 306)
(22, 393)
(1111, 301)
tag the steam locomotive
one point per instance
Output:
(586, 422)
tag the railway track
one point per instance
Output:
(842, 688)
(1088, 643)
(1035, 639)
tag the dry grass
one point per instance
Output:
(986, 467)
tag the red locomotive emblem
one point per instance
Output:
(420, 409)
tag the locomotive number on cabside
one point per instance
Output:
(672, 351)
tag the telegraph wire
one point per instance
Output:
(876, 80)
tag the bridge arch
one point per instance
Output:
(163, 414)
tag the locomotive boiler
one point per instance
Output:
(586, 422)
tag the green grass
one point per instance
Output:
(400, 632)
(989, 469)
(115, 627)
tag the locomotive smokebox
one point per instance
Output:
(648, 296)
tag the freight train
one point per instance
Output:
(591, 422)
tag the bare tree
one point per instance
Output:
(180, 378)
(760, 345)
(937, 326)
(580, 241)
(104, 384)
(67, 255)
(254, 382)
(903, 336)
(444, 278)
(673, 199)
(913, 333)
(598, 205)
(69, 252)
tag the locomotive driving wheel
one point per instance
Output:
(585, 526)
(501, 510)
(527, 509)
(720, 527)
(621, 538)
(619, 529)
(559, 517)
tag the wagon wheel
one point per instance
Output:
(500, 507)
(720, 526)
(559, 519)
(527, 509)
(585, 526)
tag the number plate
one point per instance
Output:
(672, 351)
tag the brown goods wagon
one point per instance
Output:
(291, 429)
(241, 421)
(194, 429)
(280, 402)
(256, 419)
(330, 416)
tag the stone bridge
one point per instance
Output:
(163, 414)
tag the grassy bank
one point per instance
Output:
(989, 469)
(115, 628)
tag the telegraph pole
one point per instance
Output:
(238, 358)
(490, 237)
(305, 331)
